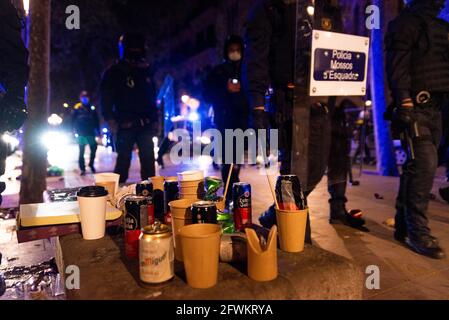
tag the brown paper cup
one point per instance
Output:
(221, 204)
(201, 252)
(292, 229)
(158, 183)
(190, 196)
(195, 183)
(181, 216)
(262, 262)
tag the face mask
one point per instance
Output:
(235, 56)
(85, 100)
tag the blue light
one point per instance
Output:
(105, 130)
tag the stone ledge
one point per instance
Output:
(107, 275)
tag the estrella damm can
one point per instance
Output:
(241, 197)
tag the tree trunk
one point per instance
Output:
(34, 170)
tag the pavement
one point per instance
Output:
(403, 273)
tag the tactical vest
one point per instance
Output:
(430, 62)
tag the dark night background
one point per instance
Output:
(185, 39)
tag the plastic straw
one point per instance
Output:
(272, 190)
(227, 182)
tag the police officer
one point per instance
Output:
(86, 125)
(13, 76)
(270, 60)
(417, 45)
(223, 90)
(128, 99)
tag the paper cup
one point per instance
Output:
(181, 216)
(92, 204)
(108, 177)
(292, 229)
(193, 175)
(201, 252)
(221, 204)
(109, 186)
(158, 183)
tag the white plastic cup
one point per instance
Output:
(108, 177)
(92, 203)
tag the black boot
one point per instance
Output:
(427, 246)
(340, 215)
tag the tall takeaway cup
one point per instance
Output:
(92, 204)
(201, 253)
(292, 229)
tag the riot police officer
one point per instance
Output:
(223, 90)
(13, 76)
(417, 46)
(128, 99)
(270, 61)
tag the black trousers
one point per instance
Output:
(126, 139)
(83, 141)
(418, 175)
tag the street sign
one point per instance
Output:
(339, 64)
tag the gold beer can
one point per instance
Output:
(156, 254)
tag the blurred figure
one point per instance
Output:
(86, 125)
(128, 100)
(364, 129)
(13, 77)
(223, 90)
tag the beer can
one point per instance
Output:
(144, 188)
(136, 218)
(204, 212)
(289, 193)
(171, 193)
(156, 254)
(241, 196)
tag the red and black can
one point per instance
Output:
(144, 189)
(171, 193)
(136, 218)
(241, 196)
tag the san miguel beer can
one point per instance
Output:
(136, 218)
(171, 193)
(156, 255)
(204, 212)
(144, 189)
(241, 196)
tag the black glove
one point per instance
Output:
(13, 113)
(405, 115)
(260, 120)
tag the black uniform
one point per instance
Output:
(128, 96)
(230, 109)
(13, 76)
(86, 125)
(417, 45)
(270, 60)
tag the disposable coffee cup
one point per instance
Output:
(200, 253)
(292, 229)
(92, 204)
